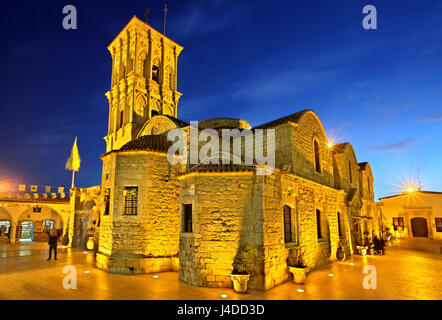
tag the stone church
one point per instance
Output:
(192, 219)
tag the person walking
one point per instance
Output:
(53, 238)
(382, 245)
(376, 245)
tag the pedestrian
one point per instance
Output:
(53, 238)
(382, 245)
(376, 245)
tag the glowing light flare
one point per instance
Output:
(155, 276)
(300, 290)
(331, 275)
(223, 295)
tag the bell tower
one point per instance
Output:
(144, 81)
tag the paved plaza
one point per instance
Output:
(401, 274)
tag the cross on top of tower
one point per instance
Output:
(147, 14)
(165, 15)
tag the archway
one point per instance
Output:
(5, 225)
(419, 227)
(35, 223)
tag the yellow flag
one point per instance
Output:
(73, 163)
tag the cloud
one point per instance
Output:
(403, 144)
(204, 17)
(433, 118)
(271, 84)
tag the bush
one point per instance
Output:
(239, 263)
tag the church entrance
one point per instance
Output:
(419, 227)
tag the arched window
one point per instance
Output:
(155, 73)
(145, 68)
(368, 185)
(154, 113)
(349, 172)
(339, 224)
(156, 70)
(171, 82)
(120, 124)
(318, 225)
(287, 224)
(317, 156)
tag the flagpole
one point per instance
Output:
(73, 179)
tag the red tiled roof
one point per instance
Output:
(295, 117)
(221, 168)
(339, 148)
(156, 143)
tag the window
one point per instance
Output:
(120, 125)
(317, 155)
(155, 73)
(438, 224)
(398, 222)
(339, 224)
(187, 218)
(349, 172)
(318, 224)
(106, 202)
(368, 185)
(287, 224)
(171, 84)
(130, 200)
(6, 225)
(48, 225)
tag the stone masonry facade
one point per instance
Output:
(195, 219)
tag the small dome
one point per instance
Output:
(224, 123)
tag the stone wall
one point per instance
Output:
(224, 216)
(146, 242)
(230, 209)
(303, 197)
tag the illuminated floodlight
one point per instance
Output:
(300, 290)
(331, 275)
(223, 295)
(351, 263)
(155, 276)
(87, 271)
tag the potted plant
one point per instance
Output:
(240, 276)
(295, 262)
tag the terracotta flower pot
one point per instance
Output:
(299, 274)
(90, 243)
(240, 282)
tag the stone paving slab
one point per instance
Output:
(402, 274)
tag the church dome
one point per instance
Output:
(224, 123)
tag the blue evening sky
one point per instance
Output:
(381, 89)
